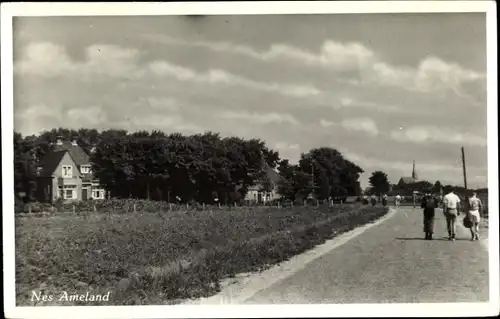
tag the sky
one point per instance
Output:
(383, 89)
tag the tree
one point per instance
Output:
(322, 170)
(379, 182)
(436, 189)
(293, 183)
(424, 187)
(24, 165)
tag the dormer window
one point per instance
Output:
(85, 169)
(67, 171)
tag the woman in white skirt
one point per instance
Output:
(474, 215)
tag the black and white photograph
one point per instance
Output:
(199, 155)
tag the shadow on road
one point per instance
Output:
(438, 238)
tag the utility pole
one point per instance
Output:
(465, 180)
(312, 171)
(463, 167)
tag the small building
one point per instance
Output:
(66, 173)
(257, 194)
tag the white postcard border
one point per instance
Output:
(249, 311)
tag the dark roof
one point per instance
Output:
(408, 180)
(50, 162)
(76, 152)
(272, 175)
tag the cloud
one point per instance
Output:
(430, 75)
(89, 116)
(168, 123)
(422, 134)
(342, 56)
(50, 60)
(215, 76)
(282, 146)
(434, 73)
(160, 103)
(360, 124)
(37, 117)
(379, 107)
(260, 118)
(326, 123)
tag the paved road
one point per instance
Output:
(390, 262)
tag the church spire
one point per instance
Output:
(414, 173)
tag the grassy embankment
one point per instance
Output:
(162, 258)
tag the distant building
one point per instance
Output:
(409, 180)
(66, 173)
(258, 195)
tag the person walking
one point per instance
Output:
(374, 200)
(474, 215)
(451, 209)
(398, 200)
(429, 204)
(384, 200)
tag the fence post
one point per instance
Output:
(134, 208)
(291, 204)
(74, 209)
(317, 203)
(218, 204)
(234, 204)
(95, 209)
(187, 206)
(203, 206)
(29, 209)
(169, 206)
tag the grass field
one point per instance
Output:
(162, 258)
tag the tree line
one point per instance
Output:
(200, 167)
(380, 184)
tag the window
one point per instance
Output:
(85, 169)
(98, 194)
(67, 171)
(68, 193)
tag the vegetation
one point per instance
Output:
(379, 182)
(195, 168)
(155, 258)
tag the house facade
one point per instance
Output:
(66, 173)
(256, 194)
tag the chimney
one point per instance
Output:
(59, 140)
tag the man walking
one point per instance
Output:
(475, 206)
(429, 204)
(451, 209)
